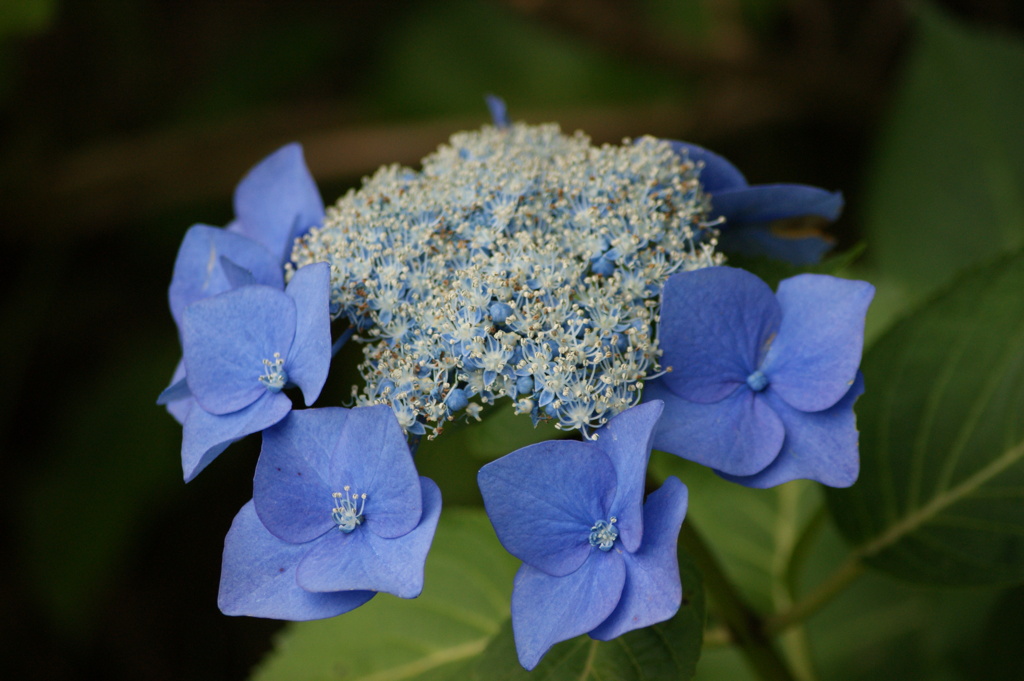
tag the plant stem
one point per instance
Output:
(848, 571)
(743, 622)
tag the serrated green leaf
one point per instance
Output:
(468, 585)
(941, 493)
(947, 186)
(663, 652)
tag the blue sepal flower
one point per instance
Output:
(750, 211)
(761, 385)
(339, 507)
(597, 559)
(241, 348)
(258, 577)
(277, 202)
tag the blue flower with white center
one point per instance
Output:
(275, 202)
(241, 348)
(338, 514)
(755, 217)
(760, 386)
(597, 559)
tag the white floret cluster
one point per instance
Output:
(520, 262)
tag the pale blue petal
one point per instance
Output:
(198, 271)
(236, 275)
(819, 446)
(815, 356)
(543, 499)
(372, 456)
(716, 323)
(179, 408)
(174, 392)
(363, 560)
(206, 435)
(740, 434)
(310, 355)
(547, 610)
(652, 591)
(767, 202)
(290, 488)
(627, 439)
(226, 340)
(717, 174)
(258, 577)
(278, 201)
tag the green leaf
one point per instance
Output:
(753, 532)
(759, 536)
(947, 187)
(666, 651)
(941, 493)
(880, 627)
(465, 600)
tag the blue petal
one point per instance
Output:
(764, 239)
(547, 610)
(198, 271)
(292, 495)
(175, 392)
(310, 356)
(652, 592)
(363, 560)
(819, 446)
(278, 201)
(499, 112)
(626, 439)
(767, 202)
(258, 577)
(543, 499)
(717, 174)
(371, 455)
(179, 408)
(226, 340)
(815, 357)
(206, 435)
(740, 434)
(236, 275)
(715, 325)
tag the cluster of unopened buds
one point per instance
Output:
(585, 285)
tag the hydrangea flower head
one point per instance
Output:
(338, 514)
(596, 558)
(241, 349)
(520, 262)
(760, 386)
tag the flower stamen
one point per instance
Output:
(274, 376)
(348, 509)
(603, 534)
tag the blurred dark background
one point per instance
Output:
(123, 122)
